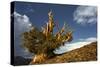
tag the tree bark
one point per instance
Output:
(39, 58)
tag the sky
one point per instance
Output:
(81, 18)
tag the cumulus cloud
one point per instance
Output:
(21, 24)
(90, 39)
(85, 15)
(71, 46)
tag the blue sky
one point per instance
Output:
(82, 19)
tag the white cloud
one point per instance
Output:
(71, 46)
(21, 24)
(90, 39)
(85, 15)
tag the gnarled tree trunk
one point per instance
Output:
(39, 58)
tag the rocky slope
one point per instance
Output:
(85, 53)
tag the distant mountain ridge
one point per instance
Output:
(19, 60)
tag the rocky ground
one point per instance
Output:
(85, 53)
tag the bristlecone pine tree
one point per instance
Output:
(43, 42)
